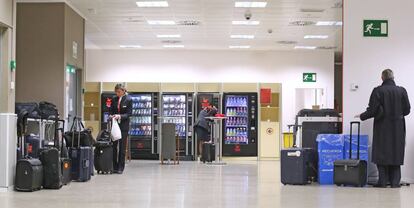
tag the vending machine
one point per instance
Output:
(203, 100)
(177, 108)
(143, 131)
(240, 131)
(106, 102)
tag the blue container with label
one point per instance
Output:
(330, 149)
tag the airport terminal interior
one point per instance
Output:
(206, 103)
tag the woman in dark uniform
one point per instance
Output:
(202, 127)
(121, 110)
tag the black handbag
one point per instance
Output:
(48, 110)
(78, 129)
(351, 172)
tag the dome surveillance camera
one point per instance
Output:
(248, 15)
(270, 31)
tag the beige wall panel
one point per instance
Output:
(178, 87)
(269, 140)
(208, 87)
(92, 86)
(239, 87)
(143, 87)
(108, 86)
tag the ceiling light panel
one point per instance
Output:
(328, 23)
(246, 22)
(130, 46)
(306, 47)
(161, 22)
(316, 37)
(169, 36)
(239, 47)
(250, 4)
(173, 46)
(242, 36)
(152, 3)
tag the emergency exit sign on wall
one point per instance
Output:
(375, 28)
(309, 77)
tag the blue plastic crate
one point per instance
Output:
(330, 149)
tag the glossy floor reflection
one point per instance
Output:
(191, 184)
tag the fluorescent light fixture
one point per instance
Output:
(329, 23)
(242, 36)
(130, 46)
(250, 4)
(173, 46)
(306, 47)
(316, 36)
(244, 22)
(239, 47)
(169, 36)
(152, 3)
(161, 22)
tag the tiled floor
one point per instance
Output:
(191, 184)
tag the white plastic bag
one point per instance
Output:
(115, 130)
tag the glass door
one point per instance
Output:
(141, 118)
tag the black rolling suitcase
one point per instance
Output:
(66, 165)
(351, 172)
(52, 172)
(209, 152)
(80, 170)
(29, 171)
(104, 153)
(298, 166)
(65, 162)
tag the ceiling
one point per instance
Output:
(111, 23)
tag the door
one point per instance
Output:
(73, 98)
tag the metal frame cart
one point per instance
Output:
(216, 129)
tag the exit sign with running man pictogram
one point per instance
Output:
(375, 28)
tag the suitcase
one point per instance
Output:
(52, 172)
(80, 170)
(32, 145)
(104, 157)
(29, 175)
(66, 168)
(80, 157)
(298, 166)
(91, 162)
(209, 152)
(351, 172)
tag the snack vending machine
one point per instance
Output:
(143, 131)
(240, 128)
(177, 108)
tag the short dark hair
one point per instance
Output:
(120, 86)
(387, 74)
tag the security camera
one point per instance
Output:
(248, 15)
(270, 31)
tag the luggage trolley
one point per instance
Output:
(216, 138)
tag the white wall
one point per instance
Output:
(216, 66)
(365, 58)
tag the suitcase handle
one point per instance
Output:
(350, 138)
(85, 163)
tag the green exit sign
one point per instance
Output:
(375, 28)
(309, 77)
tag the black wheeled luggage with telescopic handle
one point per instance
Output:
(351, 172)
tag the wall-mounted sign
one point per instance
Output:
(309, 77)
(12, 65)
(375, 28)
(75, 50)
(70, 69)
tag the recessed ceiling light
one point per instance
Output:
(329, 23)
(250, 4)
(316, 36)
(306, 47)
(244, 22)
(242, 36)
(173, 46)
(161, 22)
(239, 47)
(169, 36)
(152, 3)
(130, 46)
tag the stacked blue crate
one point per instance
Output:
(333, 147)
(330, 148)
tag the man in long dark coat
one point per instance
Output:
(388, 105)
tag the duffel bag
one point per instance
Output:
(48, 110)
(79, 130)
(32, 109)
